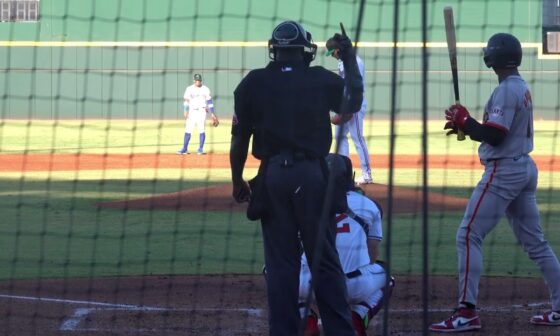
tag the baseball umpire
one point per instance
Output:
(508, 185)
(285, 108)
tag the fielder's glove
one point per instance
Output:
(215, 121)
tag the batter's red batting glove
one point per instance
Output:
(458, 115)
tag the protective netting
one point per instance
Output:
(104, 229)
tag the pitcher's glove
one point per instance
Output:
(215, 121)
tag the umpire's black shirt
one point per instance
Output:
(285, 106)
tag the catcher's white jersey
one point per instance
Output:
(351, 237)
(351, 244)
(197, 97)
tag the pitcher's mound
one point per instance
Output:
(218, 198)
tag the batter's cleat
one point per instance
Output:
(312, 325)
(550, 318)
(180, 152)
(359, 324)
(463, 319)
(200, 152)
(364, 180)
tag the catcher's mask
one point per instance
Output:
(503, 51)
(290, 34)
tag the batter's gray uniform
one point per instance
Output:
(508, 187)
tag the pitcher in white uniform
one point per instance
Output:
(197, 102)
(354, 126)
(359, 233)
(508, 186)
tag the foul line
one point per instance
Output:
(80, 302)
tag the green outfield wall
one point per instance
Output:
(57, 68)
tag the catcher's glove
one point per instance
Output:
(215, 121)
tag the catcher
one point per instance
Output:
(197, 103)
(358, 235)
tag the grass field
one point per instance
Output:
(52, 227)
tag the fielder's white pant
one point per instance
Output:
(356, 128)
(197, 117)
(367, 288)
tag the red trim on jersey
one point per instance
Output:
(469, 228)
(498, 126)
(345, 228)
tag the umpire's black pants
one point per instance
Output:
(295, 200)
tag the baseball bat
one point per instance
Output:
(452, 49)
(342, 29)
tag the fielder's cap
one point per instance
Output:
(331, 45)
(197, 77)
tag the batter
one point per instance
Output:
(508, 185)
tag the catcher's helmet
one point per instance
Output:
(502, 51)
(341, 167)
(290, 34)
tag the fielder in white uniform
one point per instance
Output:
(354, 126)
(197, 102)
(359, 233)
(507, 187)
